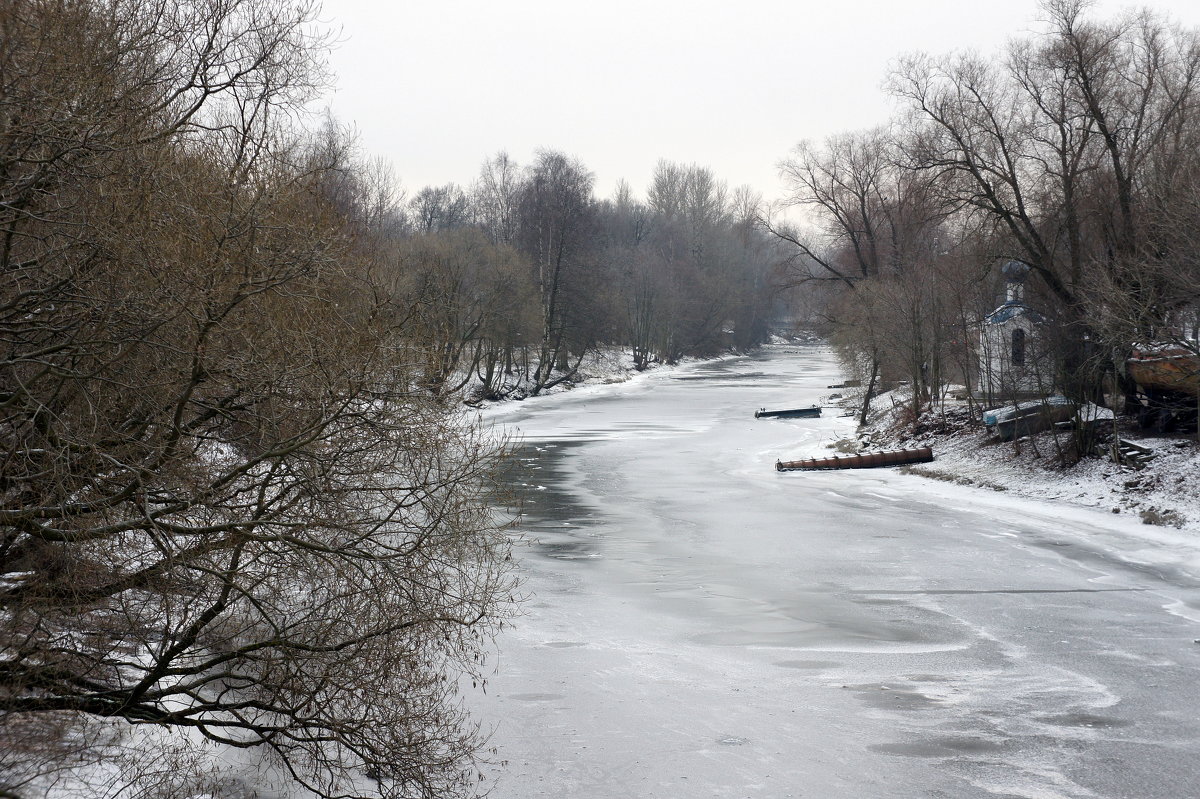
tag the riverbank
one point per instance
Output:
(603, 366)
(607, 366)
(1165, 492)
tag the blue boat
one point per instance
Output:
(1025, 418)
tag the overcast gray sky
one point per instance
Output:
(436, 87)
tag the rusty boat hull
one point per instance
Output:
(1173, 369)
(866, 460)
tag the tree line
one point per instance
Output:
(518, 277)
(1075, 153)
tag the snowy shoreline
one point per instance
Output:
(601, 372)
(1165, 493)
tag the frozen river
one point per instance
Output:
(699, 625)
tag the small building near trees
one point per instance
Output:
(1013, 364)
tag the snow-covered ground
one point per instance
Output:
(601, 367)
(1165, 492)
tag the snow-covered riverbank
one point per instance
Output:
(1164, 493)
(600, 370)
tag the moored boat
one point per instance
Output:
(1025, 418)
(1166, 368)
(1168, 381)
(792, 413)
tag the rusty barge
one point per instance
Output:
(867, 460)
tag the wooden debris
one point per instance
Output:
(1127, 453)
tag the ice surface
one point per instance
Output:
(701, 625)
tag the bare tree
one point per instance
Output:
(709, 263)
(464, 293)
(556, 235)
(844, 183)
(226, 516)
(496, 198)
(437, 208)
(978, 138)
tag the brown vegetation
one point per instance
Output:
(229, 509)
